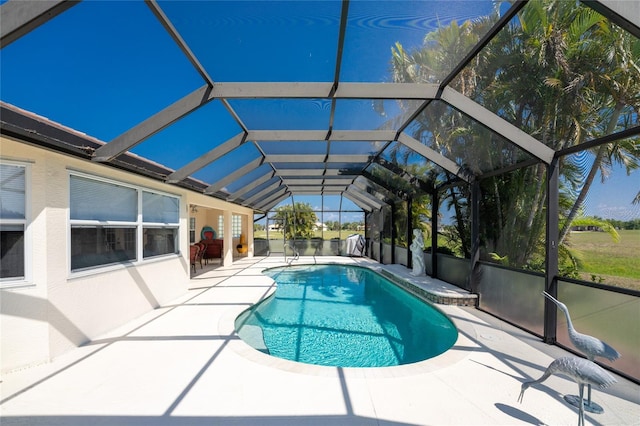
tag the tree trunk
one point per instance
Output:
(461, 229)
(592, 174)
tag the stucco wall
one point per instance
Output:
(57, 310)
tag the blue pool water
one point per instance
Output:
(344, 316)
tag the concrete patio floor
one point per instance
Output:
(182, 364)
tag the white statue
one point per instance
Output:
(417, 251)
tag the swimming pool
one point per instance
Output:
(344, 316)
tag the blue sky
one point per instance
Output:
(612, 199)
(104, 66)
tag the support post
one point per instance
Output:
(551, 257)
(409, 232)
(393, 234)
(227, 245)
(381, 236)
(367, 236)
(475, 237)
(435, 206)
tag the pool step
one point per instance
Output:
(252, 335)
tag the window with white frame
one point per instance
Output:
(115, 223)
(192, 230)
(236, 226)
(13, 222)
(160, 217)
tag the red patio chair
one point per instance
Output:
(194, 250)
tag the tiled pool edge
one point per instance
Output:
(459, 298)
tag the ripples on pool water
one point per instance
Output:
(344, 316)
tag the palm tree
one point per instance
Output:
(421, 218)
(620, 92)
(596, 78)
(298, 220)
(546, 75)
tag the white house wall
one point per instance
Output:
(56, 311)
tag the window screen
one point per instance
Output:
(12, 222)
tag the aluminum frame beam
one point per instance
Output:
(416, 182)
(316, 158)
(307, 189)
(432, 155)
(266, 198)
(497, 124)
(320, 187)
(249, 187)
(304, 181)
(271, 197)
(237, 174)
(302, 90)
(299, 172)
(361, 202)
(338, 172)
(269, 205)
(21, 17)
(624, 13)
(270, 184)
(357, 202)
(154, 124)
(206, 159)
(320, 135)
(327, 177)
(378, 182)
(374, 189)
(387, 91)
(263, 192)
(485, 40)
(186, 51)
(314, 181)
(367, 199)
(365, 195)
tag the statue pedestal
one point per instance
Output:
(590, 407)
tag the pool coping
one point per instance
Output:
(427, 288)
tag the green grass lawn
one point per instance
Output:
(327, 235)
(616, 263)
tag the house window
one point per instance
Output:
(220, 226)
(13, 222)
(101, 245)
(160, 241)
(113, 223)
(192, 230)
(236, 226)
(160, 219)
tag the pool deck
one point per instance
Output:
(182, 364)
